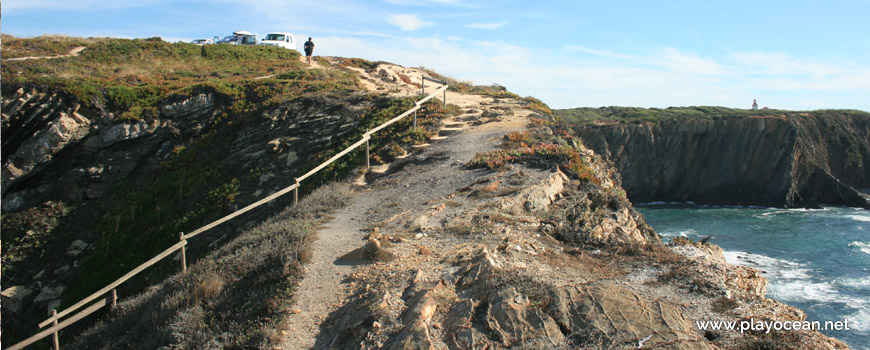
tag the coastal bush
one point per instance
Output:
(133, 72)
(236, 297)
(44, 45)
(544, 155)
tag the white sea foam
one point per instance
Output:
(792, 281)
(771, 267)
(860, 320)
(862, 218)
(680, 233)
(857, 283)
(864, 247)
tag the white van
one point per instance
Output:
(285, 40)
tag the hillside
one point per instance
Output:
(722, 156)
(108, 154)
(487, 226)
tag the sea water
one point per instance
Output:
(816, 260)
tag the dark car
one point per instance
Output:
(239, 38)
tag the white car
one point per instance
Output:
(201, 42)
(280, 39)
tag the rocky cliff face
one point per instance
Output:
(63, 165)
(794, 160)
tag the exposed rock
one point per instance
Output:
(621, 317)
(50, 293)
(78, 245)
(52, 305)
(126, 131)
(61, 270)
(600, 218)
(191, 108)
(374, 249)
(63, 128)
(801, 160)
(517, 323)
(418, 223)
(15, 297)
(535, 198)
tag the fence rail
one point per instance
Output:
(111, 300)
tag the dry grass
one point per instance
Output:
(235, 297)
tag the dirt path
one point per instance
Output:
(426, 174)
(74, 52)
(321, 289)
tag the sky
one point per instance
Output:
(796, 54)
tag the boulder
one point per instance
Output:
(535, 198)
(14, 298)
(50, 293)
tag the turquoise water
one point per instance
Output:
(816, 260)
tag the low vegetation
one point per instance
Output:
(236, 297)
(584, 115)
(545, 155)
(132, 75)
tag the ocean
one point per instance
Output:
(816, 260)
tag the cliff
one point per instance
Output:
(790, 159)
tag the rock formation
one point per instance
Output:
(794, 160)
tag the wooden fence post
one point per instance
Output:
(113, 300)
(296, 193)
(423, 83)
(55, 338)
(415, 119)
(445, 98)
(183, 254)
(368, 164)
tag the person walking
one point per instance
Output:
(309, 49)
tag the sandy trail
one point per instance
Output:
(438, 171)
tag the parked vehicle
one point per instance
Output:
(201, 42)
(280, 39)
(241, 37)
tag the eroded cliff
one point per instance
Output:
(792, 159)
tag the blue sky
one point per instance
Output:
(798, 54)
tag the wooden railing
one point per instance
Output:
(108, 294)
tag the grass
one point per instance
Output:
(584, 115)
(132, 75)
(236, 297)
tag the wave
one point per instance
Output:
(864, 247)
(772, 268)
(680, 233)
(862, 218)
(792, 281)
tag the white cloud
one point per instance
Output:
(486, 25)
(578, 76)
(408, 22)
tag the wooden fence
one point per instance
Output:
(108, 294)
